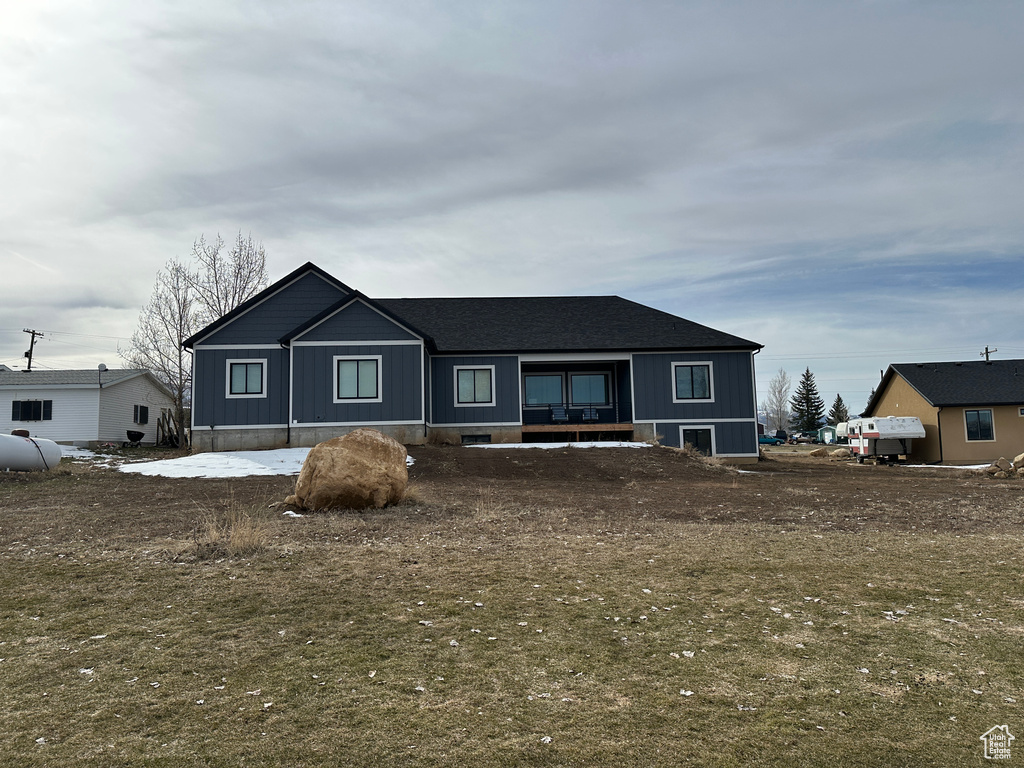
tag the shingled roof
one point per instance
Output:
(995, 382)
(90, 377)
(553, 324)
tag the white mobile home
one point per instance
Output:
(82, 407)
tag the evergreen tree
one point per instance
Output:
(808, 407)
(839, 412)
(870, 398)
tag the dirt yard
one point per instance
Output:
(792, 490)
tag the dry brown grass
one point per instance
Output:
(236, 532)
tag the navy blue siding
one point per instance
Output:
(730, 437)
(401, 385)
(357, 322)
(278, 314)
(733, 387)
(211, 406)
(506, 391)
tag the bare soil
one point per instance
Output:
(791, 491)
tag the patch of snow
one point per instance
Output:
(282, 461)
(945, 466)
(74, 452)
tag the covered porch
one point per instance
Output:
(576, 399)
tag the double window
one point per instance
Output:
(544, 389)
(692, 382)
(474, 385)
(31, 410)
(357, 379)
(246, 378)
(979, 424)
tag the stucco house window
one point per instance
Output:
(979, 424)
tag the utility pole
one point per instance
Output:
(31, 344)
(988, 352)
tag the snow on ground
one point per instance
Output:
(283, 461)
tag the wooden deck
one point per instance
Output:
(576, 429)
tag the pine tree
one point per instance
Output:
(808, 407)
(839, 412)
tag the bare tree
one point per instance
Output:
(223, 281)
(184, 300)
(776, 403)
(170, 317)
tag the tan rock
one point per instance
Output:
(819, 452)
(1020, 471)
(1002, 464)
(356, 471)
(1018, 461)
(991, 469)
(841, 453)
(1001, 475)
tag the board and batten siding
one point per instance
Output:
(401, 382)
(75, 413)
(275, 316)
(117, 409)
(212, 408)
(506, 408)
(357, 322)
(732, 414)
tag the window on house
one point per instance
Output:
(543, 389)
(31, 410)
(979, 424)
(474, 386)
(140, 414)
(692, 381)
(358, 378)
(246, 379)
(589, 388)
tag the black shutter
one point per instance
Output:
(47, 410)
(16, 410)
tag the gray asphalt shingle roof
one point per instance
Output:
(997, 382)
(44, 378)
(554, 324)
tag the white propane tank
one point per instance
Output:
(23, 454)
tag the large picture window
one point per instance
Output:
(979, 424)
(357, 378)
(692, 382)
(543, 389)
(31, 410)
(247, 378)
(474, 385)
(589, 388)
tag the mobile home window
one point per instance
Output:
(141, 414)
(247, 378)
(979, 425)
(31, 410)
(692, 381)
(589, 388)
(474, 386)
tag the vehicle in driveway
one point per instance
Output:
(769, 440)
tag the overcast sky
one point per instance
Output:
(842, 182)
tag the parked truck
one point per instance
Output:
(884, 438)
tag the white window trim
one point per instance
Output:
(992, 414)
(559, 374)
(714, 443)
(1020, 411)
(227, 377)
(608, 387)
(380, 380)
(455, 377)
(689, 364)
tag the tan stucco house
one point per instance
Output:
(972, 412)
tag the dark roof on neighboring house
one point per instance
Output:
(996, 382)
(553, 324)
(90, 377)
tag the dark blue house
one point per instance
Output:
(310, 358)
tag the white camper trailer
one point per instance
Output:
(885, 438)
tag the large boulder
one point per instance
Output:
(841, 453)
(819, 452)
(1002, 464)
(359, 470)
